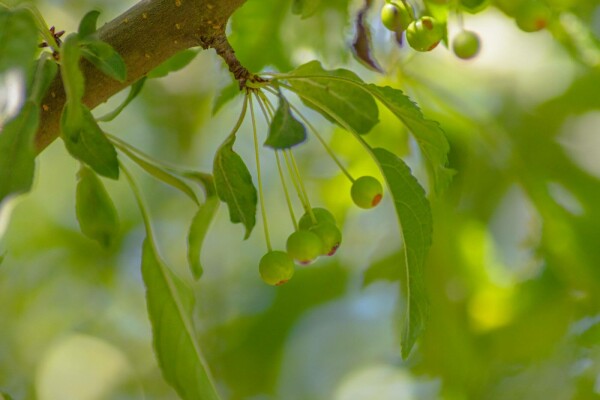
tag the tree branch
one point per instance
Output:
(145, 36)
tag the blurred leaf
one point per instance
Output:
(285, 131)
(71, 75)
(384, 270)
(305, 8)
(160, 173)
(170, 306)
(335, 98)
(18, 40)
(227, 94)
(198, 230)
(256, 29)
(45, 72)
(87, 142)
(17, 162)
(173, 64)
(361, 46)
(429, 135)
(414, 217)
(234, 186)
(134, 91)
(4, 396)
(105, 58)
(87, 26)
(96, 212)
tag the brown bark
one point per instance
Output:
(146, 35)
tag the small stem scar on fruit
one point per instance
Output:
(258, 173)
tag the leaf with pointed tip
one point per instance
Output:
(95, 210)
(428, 134)
(135, 90)
(86, 142)
(414, 217)
(170, 304)
(17, 162)
(336, 99)
(88, 23)
(234, 186)
(285, 130)
(198, 230)
(105, 58)
(161, 174)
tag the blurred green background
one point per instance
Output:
(513, 277)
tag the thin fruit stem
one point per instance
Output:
(140, 201)
(268, 117)
(302, 187)
(285, 190)
(323, 142)
(288, 164)
(267, 103)
(260, 185)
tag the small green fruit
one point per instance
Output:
(424, 34)
(366, 192)
(532, 16)
(304, 246)
(330, 236)
(276, 267)
(466, 45)
(396, 16)
(321, 215)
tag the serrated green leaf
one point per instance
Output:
(71, 75)
(428, 134)
(285, 130)
(170, 303)
(18, 40)
(161, 174)
(336, 99)
(414, 217)
(105, 58)
(95, 210)
(88, 23)
(173, 64)
(198, 230)
(17, 162)
(134, 91)
(86, 142)
(305, 8)
(44, 74)
(227, 94)
(234, 186)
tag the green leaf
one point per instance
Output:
(105, 58)
(285, 130)
(95, 210)
(161, 174)
(428, 134)
(135, 90)
(227, 94)
(17, 162)
(4, 396)
(335, 99)
(87, 26)
(45, 72)
(18, 39)
(86, 142)
(69, 69)
(198, 231)
(234, 186)
(173, 64)
(414, 216)
(170, 303)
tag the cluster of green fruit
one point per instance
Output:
(317, 235)
(425, 33)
